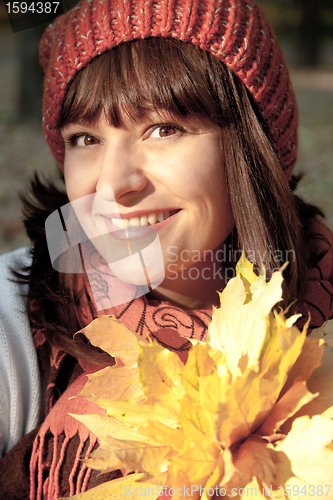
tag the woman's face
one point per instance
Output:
(156, 172)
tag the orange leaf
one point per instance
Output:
(308, 360)
(113, 382)
(296, 397)
(114, 338)
(255, 458)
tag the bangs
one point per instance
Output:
(146, 75)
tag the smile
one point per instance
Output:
(144, 220)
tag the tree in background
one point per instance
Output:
(310, 32)
(30, 72)
(30, 75)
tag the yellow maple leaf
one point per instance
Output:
(161, 370)
(236, 416)
(320, 380)
(128, 487)
(254, 459)
(113, 383)
(305, 457)
(239, 326)
(114, 338)
(295, 393)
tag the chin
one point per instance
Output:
(144, 267)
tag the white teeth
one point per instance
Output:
(134, 221)
(152, 219)
(117, 223)
(142, 221)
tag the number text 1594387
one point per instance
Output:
(32, 7)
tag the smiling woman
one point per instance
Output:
(173, 182)
(158, 82)
(175, 128)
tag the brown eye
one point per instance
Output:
(164, 131)
(167, 131)
(86, 140)
(89, 140)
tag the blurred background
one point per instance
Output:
(305, 31)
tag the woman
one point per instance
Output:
(182, 119)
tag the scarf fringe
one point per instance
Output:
(34, 464)
(85, 472)
(49, 488)
(56, 468)
(74, 470)
(49, 485)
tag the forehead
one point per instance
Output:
(140, 77)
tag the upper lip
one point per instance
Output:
(139, 213)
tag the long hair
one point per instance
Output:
(154, 74)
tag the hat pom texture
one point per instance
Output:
(235, 31)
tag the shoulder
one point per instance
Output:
(18, 257)
(19, 373)
(13, 302)
(13, 294)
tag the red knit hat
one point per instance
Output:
(233, 30)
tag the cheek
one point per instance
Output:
(207, 178)
(70, 177)
(70, 185)
(79, 181)
(213, 182)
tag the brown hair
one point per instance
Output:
(182, 79)
(178, 77)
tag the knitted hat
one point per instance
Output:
(235, 31)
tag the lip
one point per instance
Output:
(140, 213)
(132, 232)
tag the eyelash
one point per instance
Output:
(71, 141)
(169, 126)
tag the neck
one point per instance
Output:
(195, 286)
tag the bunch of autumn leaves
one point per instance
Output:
(252, 407)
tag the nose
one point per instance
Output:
(122, 173)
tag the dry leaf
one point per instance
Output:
(296, 397)
(239, 326)
(255, 458)
(113, 383)
(307, 455)
(114, 338)
(203, 425)
(118, 489)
